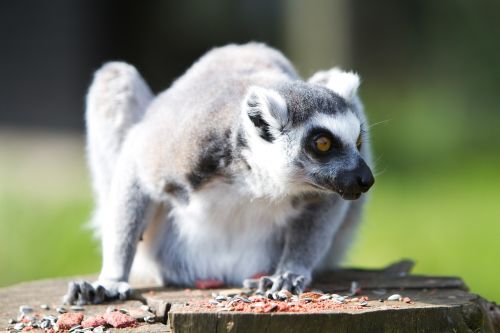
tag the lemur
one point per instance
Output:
(239, 168)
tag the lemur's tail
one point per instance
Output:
(117, 99)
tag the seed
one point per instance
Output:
(338, 298)
(74, 328)
(45, 324)
(24, 309)
(44, 307)
(124, 311)
(395, 297)
(243, 299)
(61, 310)
(98, 329)
(18, 326)
(307, 299)
(149, 319)
(407, 300)
(77, 308)
(50, 318)
(213, 302)
(325, 297)
(221, 298)
(363, 303)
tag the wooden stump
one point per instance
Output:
(438, 304)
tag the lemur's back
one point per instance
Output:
(216, 83)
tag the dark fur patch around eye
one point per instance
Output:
(216, 154)
(308, 143)
(262, 125)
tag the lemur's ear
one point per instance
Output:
(345, 84)
(267, 110)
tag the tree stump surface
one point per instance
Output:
(438, 304)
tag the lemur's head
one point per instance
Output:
(305, 137)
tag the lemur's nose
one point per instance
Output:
(365, 180)
(364, 176)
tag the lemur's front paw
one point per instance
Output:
(83, 292)
(268, 285)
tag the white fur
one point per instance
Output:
(344, 125)
(274, 106)
(225, 231)
(345, 84)
(268, 162)
(117, 99)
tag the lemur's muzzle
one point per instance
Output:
(351, 183)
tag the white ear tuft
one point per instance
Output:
(267, 110)
(270, 102)
(345, 84)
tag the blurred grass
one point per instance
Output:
(45, 202)
(443, 214)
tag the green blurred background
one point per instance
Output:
(431, 79)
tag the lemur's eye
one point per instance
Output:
(323, 143)
(359, 142)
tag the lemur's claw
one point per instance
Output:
(83, 292)
(268, 285)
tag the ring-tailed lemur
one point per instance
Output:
(239, 168)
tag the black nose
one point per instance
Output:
(365, 180)
(351, 183)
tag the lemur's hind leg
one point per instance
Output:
(117, 99)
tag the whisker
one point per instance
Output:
(379, 173)
(379, 123)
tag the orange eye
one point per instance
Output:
(323, 143)
(359, 142)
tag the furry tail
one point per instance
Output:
(117, 99)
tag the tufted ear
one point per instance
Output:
(267, 111)
(345, 84)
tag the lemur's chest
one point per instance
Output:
(227, 235)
